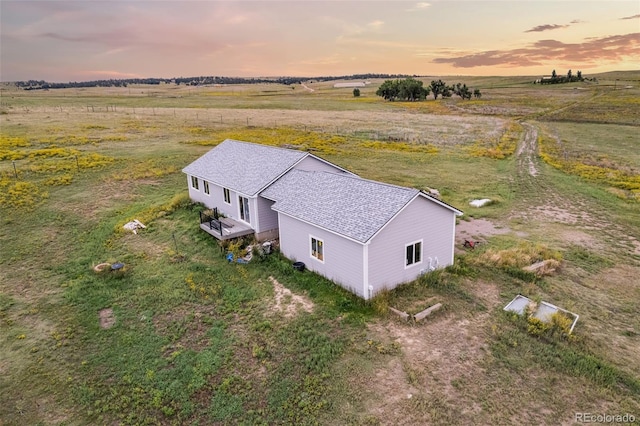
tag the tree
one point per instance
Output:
(569, 75)
(356, 92)
(462, 90)
(554, 75)
(408, 89)
(438, 88)
(447, 91)
(412, 89)
(388, 90)
(579, 76)
(476, 93)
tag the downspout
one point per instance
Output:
(257, 214)
(453, 240)
(366, 289)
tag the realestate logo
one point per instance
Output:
(605, 418)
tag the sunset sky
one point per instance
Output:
(85, 40)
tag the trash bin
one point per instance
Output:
(117, 266)
(298, 266)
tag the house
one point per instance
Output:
(363, 235)
(231, 176)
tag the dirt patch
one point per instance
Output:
(527, 150)
(107, 320)
(477, 229)
(486, 292)
(390, 384)
(557, 214)
(288, 303)
(579, 238)
(437, 357)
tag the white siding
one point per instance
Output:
(198, 195)
(312, 164)
(343, 259)
(215, 198)
(420, 220)
(268, 219)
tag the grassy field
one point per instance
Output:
(182, 337)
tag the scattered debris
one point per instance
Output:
(405, 316)
(134, 226)
(244, 259)
(544, 267)
(470, 244)
(434, 192)
(542, 311)
(422, 315)
(480, 202)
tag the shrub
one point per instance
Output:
(537, 327)
(524, 254)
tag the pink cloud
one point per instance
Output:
(545, 27)
(593, 51)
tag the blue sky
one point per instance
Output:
(81, 40)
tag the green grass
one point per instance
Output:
(196, 340)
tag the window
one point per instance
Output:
(194, 182)
(227, 195)
(317, 249)
(414, 253)
(244, 209)
(206, 187)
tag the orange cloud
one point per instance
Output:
(593, 51)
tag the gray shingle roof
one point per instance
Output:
(242, 166)
(350, 206)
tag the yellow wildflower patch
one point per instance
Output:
(13, 141)
(144, 170)
(501, 147)
(599, 169)
(19, 194)
(324, 143)
(400, 146)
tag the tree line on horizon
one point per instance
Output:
(557, 79)
(191, 81)
(410, 89)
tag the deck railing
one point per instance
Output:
(212, 220)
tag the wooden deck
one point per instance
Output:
(230, 229)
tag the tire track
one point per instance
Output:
(542, 201)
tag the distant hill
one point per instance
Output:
(192, 81)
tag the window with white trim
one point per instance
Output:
(227, 195)
(317, 249)
(206, 187)
(244, 209)
(413, 253)
(194, 182)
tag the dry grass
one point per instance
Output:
(204, 324)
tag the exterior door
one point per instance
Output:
(244, 209)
